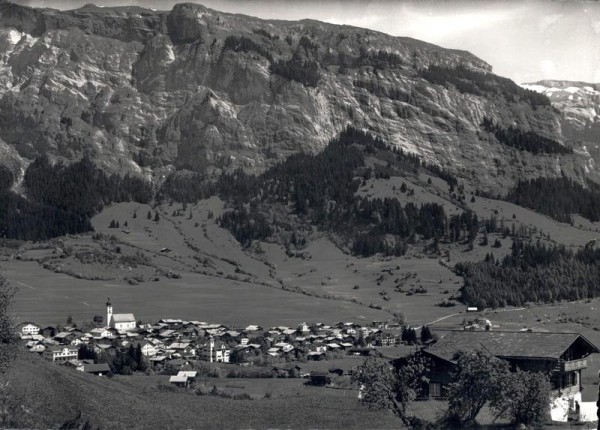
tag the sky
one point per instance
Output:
(526, 41)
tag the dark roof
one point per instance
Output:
(533, 345)
(92, 368)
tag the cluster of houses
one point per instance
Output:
(175, 342)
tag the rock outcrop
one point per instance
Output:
(149, 92)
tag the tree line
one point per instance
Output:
(531, 273)
(559, 198)
(60, 199)
(480, 83)
(524, 140)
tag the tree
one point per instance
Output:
(409, 335)
(523, 397)
(139, 358)
(426, 334)
(149, 215)
(476, 379)
(8, 337)
(385, 388)
(98, 320)
(361, 340)
(156, 217)
(70, 320)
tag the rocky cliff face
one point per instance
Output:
(150, 92)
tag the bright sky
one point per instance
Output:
(523, 40)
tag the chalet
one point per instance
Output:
(61, 353)
(147, 348)
(562, 355)
(29, 328)
(101, 332)
(37, 348)
(49, 331)
(214, 352)
(303, 328)
(158, 362)
(319, 378)
(316, 356)
(387, 339)
(64, 337)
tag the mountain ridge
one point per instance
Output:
(149, 92)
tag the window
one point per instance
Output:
(435, 389)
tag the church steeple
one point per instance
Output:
(109, 311)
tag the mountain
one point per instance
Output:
(579, 103)
(149, 92)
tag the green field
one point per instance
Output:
(45, 395)
(49, 298)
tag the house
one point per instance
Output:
(158, 362)
(315, 356)
(49, 331)
(387, 339)
(61, 353)
(121, 322)
(562, 355)
(64, 337)
(29, 328)
(101, 333)
(319, 379)
(214, 352)
(37, 348)
(147, 348)
(303, 328)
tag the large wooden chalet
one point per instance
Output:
(562, 355)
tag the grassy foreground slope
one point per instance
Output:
(47, 395)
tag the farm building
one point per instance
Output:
(99, 369)
(562, 355)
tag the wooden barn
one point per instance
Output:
(562, 355)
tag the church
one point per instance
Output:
(120, 322)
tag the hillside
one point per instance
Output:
(149, 92)
(57, 394)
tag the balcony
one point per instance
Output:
(569, 366)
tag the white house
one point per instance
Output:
(62, 353)
(101, 333)
(148, 349)
(121, 322)
(29, 329)
(215, 354)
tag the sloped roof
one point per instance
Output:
(122, 318)
(100, 367)
(533, 345)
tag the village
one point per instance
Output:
(173, 345)
(178, 349)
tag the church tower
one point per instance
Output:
(109, 312)
(212, 347)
